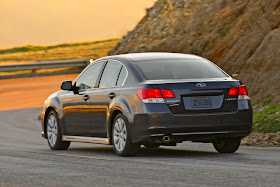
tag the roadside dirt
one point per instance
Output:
(29, 92)
(262, 139)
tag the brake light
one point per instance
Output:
(240, 91)
(233, 91)
(167, 93)
(148, 95)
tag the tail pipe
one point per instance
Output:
(166, 139)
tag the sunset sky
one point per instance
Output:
(43, 22)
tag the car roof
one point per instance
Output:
(156, 56)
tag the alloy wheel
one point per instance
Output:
(52, 130)
(120, 134)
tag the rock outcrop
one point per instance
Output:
(241, 36)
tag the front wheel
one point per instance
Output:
(227, 145)
(121, 137)
(53, 131)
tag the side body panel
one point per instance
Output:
(75, 113)
(100, 104)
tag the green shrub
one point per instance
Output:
(225, 31)
(267, 117)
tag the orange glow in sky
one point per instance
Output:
(43, 22)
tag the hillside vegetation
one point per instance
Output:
(241, 36)
(81, 50)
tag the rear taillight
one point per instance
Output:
(240, 91)
(148, 95)
(167, 93)
(233, 91)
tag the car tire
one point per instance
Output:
(53, 133)
(227, 145)
(121, 137)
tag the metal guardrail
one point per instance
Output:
(45, 65)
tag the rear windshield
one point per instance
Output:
(179, 69)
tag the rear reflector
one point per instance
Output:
(148, 95)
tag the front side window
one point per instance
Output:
(110, 74)
(179, 69)
(89, 76)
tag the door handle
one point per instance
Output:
(86, 98)
(111, 95)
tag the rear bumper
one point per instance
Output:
(205, 128)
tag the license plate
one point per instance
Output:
(201, 102)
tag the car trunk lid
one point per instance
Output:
(200, 96)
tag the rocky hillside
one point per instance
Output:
(241, 36)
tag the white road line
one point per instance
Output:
(91, 157)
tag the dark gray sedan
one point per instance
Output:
(149, 99)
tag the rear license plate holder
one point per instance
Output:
(201, 102)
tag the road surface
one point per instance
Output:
(29, 92)
(26, 160)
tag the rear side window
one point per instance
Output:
(179, 69)
(110, 74)
(122, 76)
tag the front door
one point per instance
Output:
(76, 112)
(76, 108)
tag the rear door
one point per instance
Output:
(102, 96)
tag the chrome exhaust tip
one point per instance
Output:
(166, 138)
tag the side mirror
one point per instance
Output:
(66, 85)
(234, 75)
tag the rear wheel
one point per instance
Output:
(53, 131)
(122, 143)
(227, 145)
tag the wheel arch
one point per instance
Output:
(113, 115)
(48, 110)
(46, 113)
(119, 106)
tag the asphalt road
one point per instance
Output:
(29, 92)
(26, 160)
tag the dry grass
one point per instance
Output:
(59, 52)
